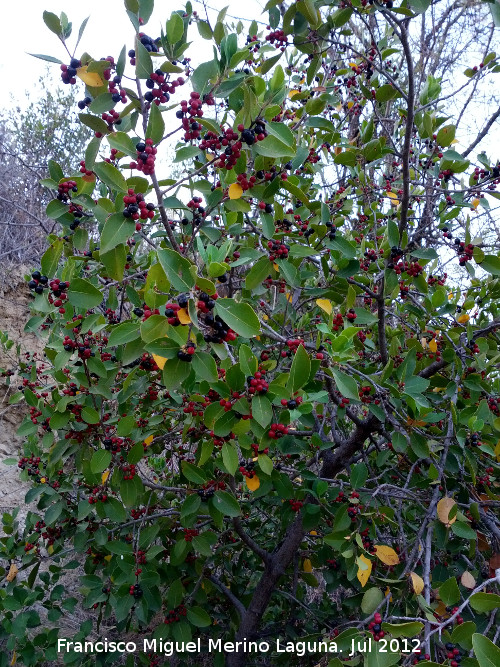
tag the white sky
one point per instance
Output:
(108, 29)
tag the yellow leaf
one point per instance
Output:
(160, 361)
(14, 659)
(265, 317)
(325, 305)
(475, 203)
(440, 610)
(50, 549)
(91, 79)
(497, 450)
(104, 477)
(467, 580)
(313, 532)
(393, 197)
(364, 569)
(183, 316)
(386, 554)
(252, 483)
(209, 157)
(433, 346)
(148, 440)
(307, 566)
(462, 319)
(352, 64)
(43, 480)
(417, 583)
(444, 507)
(387, 593)
(108, 558)
(276, 267)
(338, 150)
(350, 105)
(293, 93)
(289, 297)
(12, 572)
(235, 191)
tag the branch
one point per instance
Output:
(238, 605)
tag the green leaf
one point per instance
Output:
(484, 602)
(91, 152)
(258, 273)
(380, 656)
(248, 361)
(262, 410)
(230, 457)
(410, 629)
(446, 135)
(462, 529)
(116, 230)
(449, 592)
(114, 262)
(371, 600)
(205, 30)
(175, 28)
(273, 147)
(56, 209)
(300, 370)
(177, 269)
(346, 158)
(487, 654)
(95, 123)
(190, 506)
(99, 105)
(122, 142)
(124, 333)
(156, 125)
(193, 473)
(49, 59)
(198, 617)
(143, 63)
(386, 92)
(90, 415)
(53, 23)
(491, 263)
(100, 460)
(225, 503)
(359, 475)
(50, 258)
(82, 294)
(186, 153)
(240, 317)
(110, 175)
(346, 385)
(204, 366)
(154, 327)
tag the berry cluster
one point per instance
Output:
(68, 72)
(145, 157)
(277, 431)
(247, 469)
(97, 496)
(189, 533)
(159, 88)
(129, 471)
(63, 190)
(175, 615)
(221, 331)
(292, 403)
(136, 208)
(277, 250)
(136, 591)
(257, 384)
(188, 112)
(295, 505)
(117, 94)
(186, 352)
(38, 282)
(149, 44)
(111, 118)
(375, 627)
(351, 315)
(252, 134)
(435, 280)
(83, 104)
(465, 252)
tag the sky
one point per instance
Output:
(108, 29)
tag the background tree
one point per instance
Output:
(265, 411)
(47, 128)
